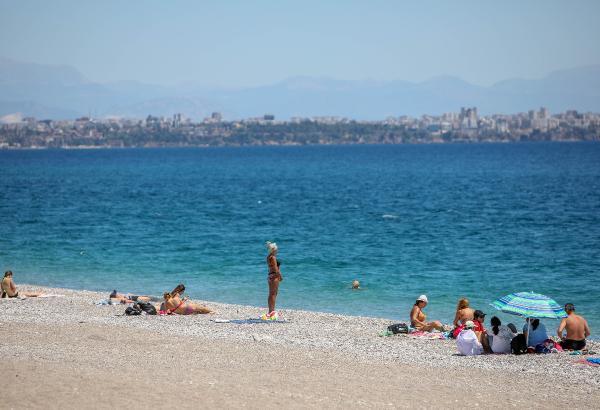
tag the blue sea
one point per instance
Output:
(480, 221)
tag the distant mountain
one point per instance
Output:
(16, 72)
(63, 92)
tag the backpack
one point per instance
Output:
(134, 310)
(140, 307)
(399, 328)
(147, 307)
(518, 344)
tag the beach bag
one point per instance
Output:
(399, 328)
(548, 346)
(146, 307)
(134, 310)
(518, 345)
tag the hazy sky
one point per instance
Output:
(259, 42)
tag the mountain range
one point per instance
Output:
(62, 92)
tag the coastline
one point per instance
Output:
(290, 144)
(312, 360)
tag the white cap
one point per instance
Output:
(422, 298)
(271, 246)
(469, 324)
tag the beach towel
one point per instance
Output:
(590, 361)
(428, 335)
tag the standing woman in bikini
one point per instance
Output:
(274, 278)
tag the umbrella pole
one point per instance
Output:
(527, 338)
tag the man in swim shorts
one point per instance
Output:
(577, 330)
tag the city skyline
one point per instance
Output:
(243, 44)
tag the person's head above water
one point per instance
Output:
(355, 284)
(272, 247)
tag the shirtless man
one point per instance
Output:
(9, 289)
(577, 329)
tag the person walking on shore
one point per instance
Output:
(273, 278)
(577, 330)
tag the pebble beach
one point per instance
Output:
(309, 359)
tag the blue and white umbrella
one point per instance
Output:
(529, 305)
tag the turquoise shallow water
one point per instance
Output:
(447, 220)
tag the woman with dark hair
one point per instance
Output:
(501, 336)
(534, 331)
(173, 303)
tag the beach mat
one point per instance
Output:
(248, 321)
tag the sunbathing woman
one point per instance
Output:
(418, 319)
(173, 303)
(9, 289)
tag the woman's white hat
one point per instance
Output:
(271, 246)
(422, 298)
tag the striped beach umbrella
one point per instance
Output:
(529, 304)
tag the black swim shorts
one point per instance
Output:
(570, 344)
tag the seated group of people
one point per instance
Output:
(472, 338)
(172, 302)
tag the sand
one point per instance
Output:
(66, 352)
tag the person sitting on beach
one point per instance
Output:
(273, 278)
(463, 313)
(467, 341)
(418, 319)
(479, 318)
(577, 330)
(534, 332)
(9, 289)
(120, 298)
(501, 336)
(173, 303)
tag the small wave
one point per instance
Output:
(389, 216)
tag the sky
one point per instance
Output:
(249, 43)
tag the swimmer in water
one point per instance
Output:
(355, 284)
